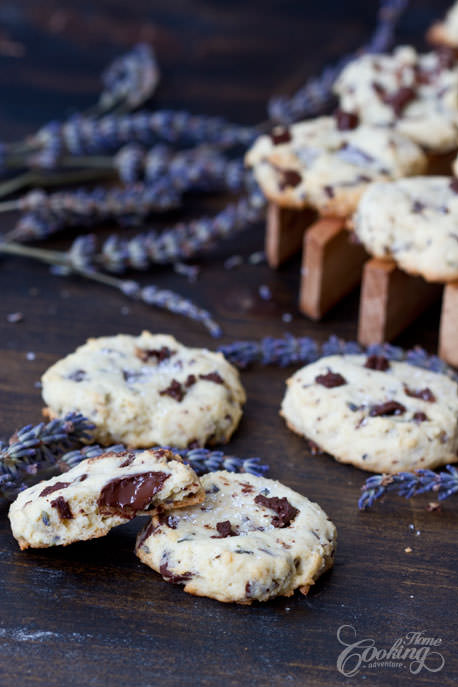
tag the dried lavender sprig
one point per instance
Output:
(130, 79)
(34, 448)
(444, 484)
(290, 350)
(202, 460)
(65, 265)
(316, 96)
(80, 135)
(179, 242)
(167, 300)
(128, 82)
(47, 213)
(199, 168)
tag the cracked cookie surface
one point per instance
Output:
(417, 94)
(147, 390)
(251, 539)
(379, 415)
(328, 162)
(414, 222)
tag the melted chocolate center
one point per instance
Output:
(130, 494)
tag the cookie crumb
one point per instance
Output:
(14, 317)
(265, 293)
(233, 261)
(257, 257)
(408, 549)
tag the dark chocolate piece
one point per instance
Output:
(346, 120)
(63, 508)
(225, 530)
(420, 417)
(127, 495)
(454, 185)
(55, 487)
(130, 457)
(175, 390)
(330, 380)
(280, 135)
(377, 362)
(425, 394)
(289, 177)
(190, 380)
(160, 354)
(400, 99)
(282, 507)
(213, 377)
(148, 531)
(387, 408)
(169, 576)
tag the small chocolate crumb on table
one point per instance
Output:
(91, 613)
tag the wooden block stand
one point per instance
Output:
(333, 265)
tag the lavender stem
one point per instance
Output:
(151, 295)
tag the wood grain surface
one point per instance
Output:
(91, 614)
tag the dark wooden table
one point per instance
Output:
(92, 614)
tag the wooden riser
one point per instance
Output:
(448, 332)
(390, 300)
(284, 232)
(333, 265)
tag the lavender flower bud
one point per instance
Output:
(316, 96)
(131, 78)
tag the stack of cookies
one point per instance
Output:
(381, 167)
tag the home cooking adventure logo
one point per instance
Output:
(415, 652)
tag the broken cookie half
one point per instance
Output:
(101, 493)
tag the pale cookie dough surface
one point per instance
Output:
(455, 167)
(100, 493)
(148, 390)
(251, 539)
(414, 222)
(317, 164)
(446, 32)
(380, 420)
(416, 94)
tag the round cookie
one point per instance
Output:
(416, 94)
(415, 222)
(147, 390)
(100, 493)
(251, 539)
(379, 415)
(328, 162)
